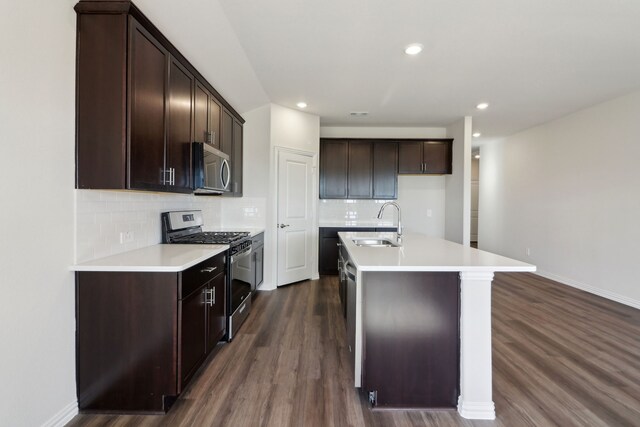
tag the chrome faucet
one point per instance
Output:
(399, 216)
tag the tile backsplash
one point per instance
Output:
(353, 212)
(101, 216)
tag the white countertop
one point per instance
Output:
(423, 253)
(157, 258)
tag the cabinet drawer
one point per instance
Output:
(196, 276)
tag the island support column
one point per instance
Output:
(475, 401)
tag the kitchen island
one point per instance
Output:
(418, 314)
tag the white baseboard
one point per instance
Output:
(476, 410)
(591, 289)
(63, 416)
(267, 286)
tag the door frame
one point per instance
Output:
(314, 208)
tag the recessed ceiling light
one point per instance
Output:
(477, 156)
(302, 105)
(482, 106)
(476, 134)
(413, 49)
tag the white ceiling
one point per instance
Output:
(532, 60)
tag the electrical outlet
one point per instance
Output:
(126, 237)
(528, 252)
(429, 213)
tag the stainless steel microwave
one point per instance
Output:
(211, 170)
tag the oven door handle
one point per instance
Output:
(236, 257)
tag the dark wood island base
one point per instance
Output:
(410, 325)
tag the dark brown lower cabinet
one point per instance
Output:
(410, 324)
(141, 336)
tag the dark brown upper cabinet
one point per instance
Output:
(207, 117)
(148, 74)
(231, 144)
(334, 165)
(433, 156)
(385, 170)
(360, 176)
(140, 104)
(236, 159)
(179, 129)
(226, 143)
(358, 169)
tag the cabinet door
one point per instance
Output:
(334, 157)
(148, 65)
(437, 157)
(216, 311)
(179, 137)
(226, 142)
(385, 170)
(236, 160)
(360, 170)
(201, 114)
(215, 110)
(193, 346)
(329, 255)
(410, 157)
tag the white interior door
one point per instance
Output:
(295, 217)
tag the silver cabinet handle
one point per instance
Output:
(208, 269)
(209, 296)
(173, 176)
(207, 299)
(242, 308)
(209, 137)
(283, 225)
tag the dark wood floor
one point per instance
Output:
(561, 357)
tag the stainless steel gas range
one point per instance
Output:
(185, 227)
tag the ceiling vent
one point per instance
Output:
(359, 114)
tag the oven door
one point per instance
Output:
(240, 291)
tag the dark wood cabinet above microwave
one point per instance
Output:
(140, 105)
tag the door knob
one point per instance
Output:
(283, 225)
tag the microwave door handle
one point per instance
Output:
(225, 165)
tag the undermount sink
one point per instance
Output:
(376, 243)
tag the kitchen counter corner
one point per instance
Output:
(156, 258)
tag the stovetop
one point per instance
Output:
(211, 237)
(186, 227)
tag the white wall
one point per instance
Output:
(37, 117)
(418, 196)
(458, 184)
(290, 129)
(569, 191)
